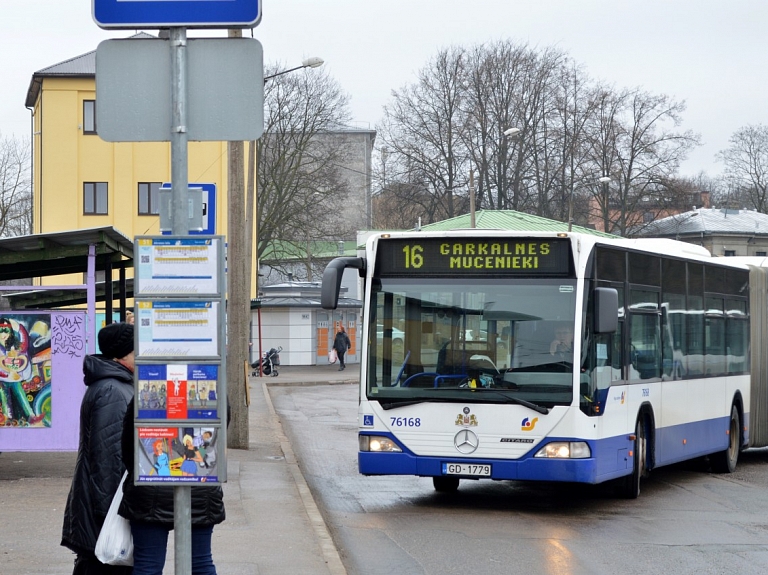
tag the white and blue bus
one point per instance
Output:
(554, 356)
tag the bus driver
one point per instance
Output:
(562, 345)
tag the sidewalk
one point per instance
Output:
(270, 510)
(273, 525)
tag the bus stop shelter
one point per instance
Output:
(43, 339)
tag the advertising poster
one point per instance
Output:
(25, 370)
(178, 454)
(178, 391)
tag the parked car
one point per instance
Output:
(398, 339)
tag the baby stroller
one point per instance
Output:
(268, 362)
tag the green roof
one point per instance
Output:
(509, 220)
(280, 250)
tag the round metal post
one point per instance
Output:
(182, 494)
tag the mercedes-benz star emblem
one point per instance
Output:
(465, 441)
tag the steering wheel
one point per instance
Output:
(402, 367)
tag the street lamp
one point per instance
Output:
(252, 224)
(240, 236)
(313, 62)
(509, 133)
(603, 180)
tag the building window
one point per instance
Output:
(89, 116)
(149, 198)
(95, 198)
(761, 253)
(730, 253)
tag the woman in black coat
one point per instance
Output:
(99, 468)
(150, 511)
(341, 344)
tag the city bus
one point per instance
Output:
(560, 357)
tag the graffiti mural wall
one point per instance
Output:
(25, 370)
(41, 379)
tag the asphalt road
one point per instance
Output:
(686, 521)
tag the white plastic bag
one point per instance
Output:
(332, 356)
(115, 544)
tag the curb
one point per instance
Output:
(273, 382)
(330, 553)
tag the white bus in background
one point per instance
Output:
(464, 376)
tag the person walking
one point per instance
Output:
(150, 511)
(341, 344)
(108, 378)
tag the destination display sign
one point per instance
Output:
(473, 256)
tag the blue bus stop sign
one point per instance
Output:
(137, 14)
(209, 209)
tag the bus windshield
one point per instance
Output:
(471, 339)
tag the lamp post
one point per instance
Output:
(240, 238)
(251, 215)
(313, 62)
(252, 232)
(509, 133)
(603, 180)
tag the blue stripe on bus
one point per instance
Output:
(610, 456)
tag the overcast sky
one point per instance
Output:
(709, 53)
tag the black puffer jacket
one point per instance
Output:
(99, 465)
(154, 504)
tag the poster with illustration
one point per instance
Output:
(177, 391)
(25, 370)
(178, 454)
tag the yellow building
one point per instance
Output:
(81, 181)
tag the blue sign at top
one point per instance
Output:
(136, 14)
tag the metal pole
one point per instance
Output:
(179, 167)
(471, 198)
(182, 494)
(570, 208)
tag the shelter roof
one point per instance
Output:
(58, 253)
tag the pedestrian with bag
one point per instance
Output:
(108, 377)
(341, 344)
(150, 511)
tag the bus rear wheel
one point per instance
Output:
(725, 461)
(629, 486)
(444, 484)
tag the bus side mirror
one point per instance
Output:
(329, 294)
(606, 310)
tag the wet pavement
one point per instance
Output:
(273, 524)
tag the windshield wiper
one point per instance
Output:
(517, 400)
(392, 403)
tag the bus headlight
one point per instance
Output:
(565, 450)
(377, 443)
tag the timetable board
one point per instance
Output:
(180, 382)
(178, 265)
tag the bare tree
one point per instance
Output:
(422, 129)
(15, 187)
(570, 133)
(746, 165)
(640, 149)
(299, 162)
